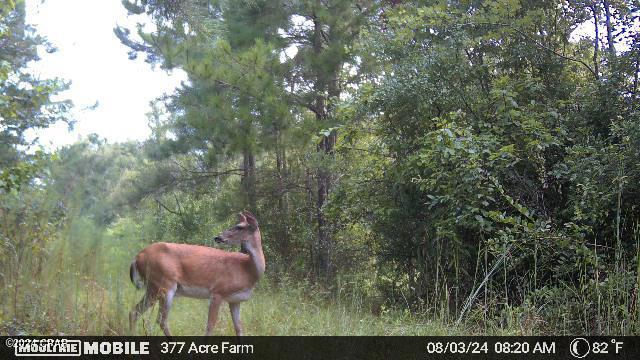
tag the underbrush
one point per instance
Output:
(79, 285)
(83, 288)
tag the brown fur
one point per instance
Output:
(171, 269)
(164, 265)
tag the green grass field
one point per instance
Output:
(81, 286)
(289, 313)
(90, 309)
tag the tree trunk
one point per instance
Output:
(596, 41)
(248, 180)
(283, 204)
(610, 40)
(325, 147)
(635, 77)
(325, 242)
(311, 205)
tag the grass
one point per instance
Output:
(292, 312)
(81, 287)
(81, 306)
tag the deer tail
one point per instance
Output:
(135, 276)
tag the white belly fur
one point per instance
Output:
(204, 293)
(193, 292)
(239, 296)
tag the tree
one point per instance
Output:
(256, 85)
(476, 160)
(25, 101)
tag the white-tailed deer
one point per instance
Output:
(202, 272)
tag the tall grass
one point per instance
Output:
(84, 289)
(79, 285)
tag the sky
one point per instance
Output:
(92, 58)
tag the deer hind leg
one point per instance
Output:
(166, 299)
(214, 305)
(147, 301)
(235, 316)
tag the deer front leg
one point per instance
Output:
(235, 316)
(214, 305)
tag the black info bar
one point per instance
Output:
(324, 347)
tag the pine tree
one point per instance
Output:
(25, 101)
(244, 93)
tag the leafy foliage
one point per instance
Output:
(474, 162)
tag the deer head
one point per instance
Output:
(244, 231)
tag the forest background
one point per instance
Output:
(417, 167)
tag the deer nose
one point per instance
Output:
(218, 239)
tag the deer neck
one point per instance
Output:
(254, 249)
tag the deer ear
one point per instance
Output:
(248, 214)
(241, 217)
(251, 220)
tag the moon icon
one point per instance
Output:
(579, 348)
